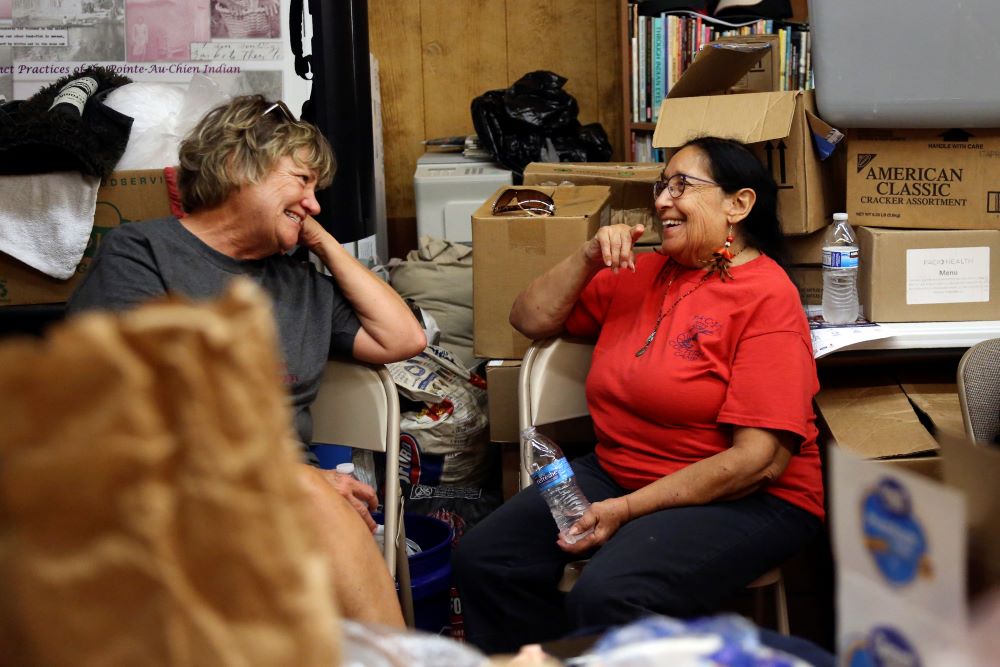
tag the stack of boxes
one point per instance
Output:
(923, 198)
(508, 252)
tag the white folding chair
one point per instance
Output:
(358, 406)
(551, 388)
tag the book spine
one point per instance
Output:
(649, 68)
(658, 69)
(634, 43)
(642, 69)
(803, 54)
(782, 58)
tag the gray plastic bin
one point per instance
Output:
(907, 63)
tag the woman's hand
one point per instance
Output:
(313, 234)
(612, 246)
(605, 517)
(361, 496)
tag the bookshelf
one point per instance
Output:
(675, 38)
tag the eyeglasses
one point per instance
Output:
(527, 201)
(676, 185)
(282, 109)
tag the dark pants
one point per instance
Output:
(680, 562)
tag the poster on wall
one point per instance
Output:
(242, 45)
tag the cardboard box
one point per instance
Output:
(929, 275)
(126, 196)
(508, 252)
(765, 75)
(781, 128)
(868, 413)
(896, 414)
(631, 188)
(809, 281)
(974, 470)
(501, 397)
(806, 249)
(924, 179)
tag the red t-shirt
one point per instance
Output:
(733, 353)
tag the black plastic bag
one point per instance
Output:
(515, 124)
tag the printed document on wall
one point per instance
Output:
(243, 45)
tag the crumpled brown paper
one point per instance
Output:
(150, 512)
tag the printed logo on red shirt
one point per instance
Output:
(686, 343)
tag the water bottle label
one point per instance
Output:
(840, 257)
(554, 473)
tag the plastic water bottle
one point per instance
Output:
(555, 480)
(364, 467)
(840, 272)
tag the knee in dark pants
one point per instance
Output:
(597, 604)
(592, 603)
(466, 561)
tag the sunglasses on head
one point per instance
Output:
(527, 201)
(280, 108)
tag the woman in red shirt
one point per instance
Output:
(706, 472)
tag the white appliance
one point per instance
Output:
(448, 188)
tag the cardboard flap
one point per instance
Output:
(718, 67)
(623, 171)
(748, 118)
(825, 136)
(873, 419)
(571, 201)
(579, 201)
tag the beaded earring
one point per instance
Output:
(722, 257)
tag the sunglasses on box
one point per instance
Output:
(531, 202)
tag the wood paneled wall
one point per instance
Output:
(435, 56)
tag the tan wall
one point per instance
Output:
(435, 56)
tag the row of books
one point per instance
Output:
(662, 47)
(643, 151)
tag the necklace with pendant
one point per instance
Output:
(663, 313)
(723, 272)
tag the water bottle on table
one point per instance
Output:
(840, 272)
(555, 479)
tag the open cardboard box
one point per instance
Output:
(780, 127)
(631, 186)
(509, 251)
(895, 415)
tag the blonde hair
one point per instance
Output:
(238, 144)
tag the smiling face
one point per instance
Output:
(697, 222)
(274, 208)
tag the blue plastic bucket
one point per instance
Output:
(430, 571)
(330, 455)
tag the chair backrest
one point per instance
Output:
(358, 406)
(979, 390)
(551, 385)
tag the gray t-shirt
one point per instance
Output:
(142, 260)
